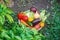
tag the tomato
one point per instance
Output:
(37, 26)
(25, 18)
(20, 16)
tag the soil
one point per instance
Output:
(22, 5)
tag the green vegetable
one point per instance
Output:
(45, 17)
(42, 14)
(29, 13)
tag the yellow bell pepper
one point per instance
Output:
(30, 19)
(42, 24)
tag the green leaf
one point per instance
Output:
(11, 34)
(9, 11)
(1, 28)
(2, 19)
(42, 14)
(10, 19)
(6, 1)
(5, 9)
(1, 10)
(34, 31)
(37, 37)
(18, 38)
(29, 36)
(23, 36)
(45, 17)
(1, 39)
(3, 34)
(3, 6)
(48, 22)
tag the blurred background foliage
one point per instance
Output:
(52, 28)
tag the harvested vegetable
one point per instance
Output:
(36, 21)
(45, 17)
(30, 19)
(36, 15)
(20, 15)
(37, 26)
(42, 14)
(42, 24)
(25, 23)
(29, 13)
(33, 18)
(25, 18)
(33, 9)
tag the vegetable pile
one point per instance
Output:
(33, 18)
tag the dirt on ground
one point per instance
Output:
(22, 5)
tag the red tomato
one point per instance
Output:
(37, 26)
(20, 16)
(25, 18)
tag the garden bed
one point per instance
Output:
(11, 30)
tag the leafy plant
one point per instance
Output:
(5, 12)
(21, 33)
(51, 31)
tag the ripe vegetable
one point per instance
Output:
(36, 15)
(37, 26)
(25, 23)
(30, 19)
(29, 13)
(20, 15)
(36, 21)
(33, 9)
(42, 24)
(25, 18)
(42, 14)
